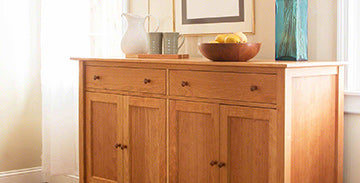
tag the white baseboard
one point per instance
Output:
(27, 175)
(352, 103)
(64, 179)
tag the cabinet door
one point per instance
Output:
(144, 121)
(103, 135)
(194, 142)
(249, 145)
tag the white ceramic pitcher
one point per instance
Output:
(135, 39)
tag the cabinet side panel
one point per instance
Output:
(313, 129)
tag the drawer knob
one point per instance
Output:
(117, 145)
(96, 77)
(212, 163)
(184, 83)
(221, 164)
(122, 147)
(253, 88)
(146, 81)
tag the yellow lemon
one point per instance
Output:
(242, 36)
(232, 38)
(213, 42)
(220, 38)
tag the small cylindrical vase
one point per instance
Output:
(291, 30)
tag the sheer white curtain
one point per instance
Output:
(64, 29)
(20, 94)
(107, 27)
(71, 28)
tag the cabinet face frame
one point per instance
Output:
(108, 99)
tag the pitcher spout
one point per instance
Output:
(130, 16)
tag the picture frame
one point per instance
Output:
(191, 18)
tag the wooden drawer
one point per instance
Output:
(126, 79)
(220, 85)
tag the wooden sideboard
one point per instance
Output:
(196, 121)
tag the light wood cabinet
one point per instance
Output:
(196, 121)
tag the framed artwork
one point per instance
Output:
(214, 16)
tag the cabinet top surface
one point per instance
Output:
(202, 61)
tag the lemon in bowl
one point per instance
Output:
(242, 37)
(232, 38)
(221, 38)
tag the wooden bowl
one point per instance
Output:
(229, 52)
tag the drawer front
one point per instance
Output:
(126, 79)
(218, 85)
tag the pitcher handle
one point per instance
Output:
(157, 22)
(181, 36)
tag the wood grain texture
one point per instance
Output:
(184, 66)
(287, 113)
(159, 56)
(194, 142)
(280, 128)
(313, 129)
(206, 62)
(82, 117)
(230, 51)
(290, 131)
(232, 86)
(185, 98)
(339, 126)
(144, 134)
(126, 79)
(248, 141)
(103, 159)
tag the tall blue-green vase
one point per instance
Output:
(291, 30)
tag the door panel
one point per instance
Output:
(194, 142)
(145, 136)
(248, 141)
(103, 132)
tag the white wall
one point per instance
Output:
(322, 26)
(20, 95)
(352, 148)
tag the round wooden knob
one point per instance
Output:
(122, 147)
(184, 83)
(146, 81)
(212, 163)
(253, 88)
(117, 145)
(96, 77)
(221, 164)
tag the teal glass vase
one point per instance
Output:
(291, 30)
